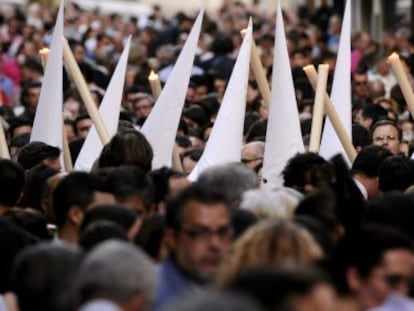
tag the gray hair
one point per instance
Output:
(116, 270)
(266, 204)
(231, 179)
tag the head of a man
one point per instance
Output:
(366, 167)
(380, 262)
(35, 153)
(359, 84)
(75, 194)
(118, 272)
(252, 155)
(198, 231)
(83, 124)
(387, 134)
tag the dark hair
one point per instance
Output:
(396, 173)
(35, 185)
(364, 249)
(44, 277)
(29, 220)
(81, 117)
(297, 170)
(275, 289)
(374, 112)
(20, 140)
(151, 235)
(129, 147)
(257, 131)
(361, 137)
(17, 122)
(11, 182)
(100, 231)
(395, 210)
(12, 240)
(193, 154)
(175, 207)
(369, 160)
(196, 114)
(78, 189)
(122, 216)
(28, 86)
(160, 179)
(129, 181)
(35, 152)
(321, 205)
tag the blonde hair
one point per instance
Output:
(271, 242)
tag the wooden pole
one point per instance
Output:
(318, 109)
(406, 89)
(259, 73)
(86, 96)
(333, 116)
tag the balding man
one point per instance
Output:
(252, 155)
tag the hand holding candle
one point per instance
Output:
(155, 83)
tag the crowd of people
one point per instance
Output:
(126, 236)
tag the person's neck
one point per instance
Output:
(3, 209)
(69, 234)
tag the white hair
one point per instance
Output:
(267, 204)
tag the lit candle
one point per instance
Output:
(333, 116)
(155, 83)
(406, 89)
(44, 54)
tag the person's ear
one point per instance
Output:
(75, 215)
(170, 239)
(353, 279)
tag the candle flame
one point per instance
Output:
(152, 76)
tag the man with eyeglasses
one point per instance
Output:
(198, 234)
(378, 266)
(252, 155)
(386, 133)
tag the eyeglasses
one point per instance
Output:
(246, 161)
(380, 139)
(204, 234)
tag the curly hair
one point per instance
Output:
(269, 243)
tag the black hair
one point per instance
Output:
(75, 189)
(11, 182)
(396, 174)
(151, 235)
(129, 147)
(297, 170)
(100, 231)
(369, 160)
(387, 122)
(361, 137)
(35, 152)
(160, 179)
(122, 216)
(275, 289)
(175, 207)
(129, 181)
(44, 277)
